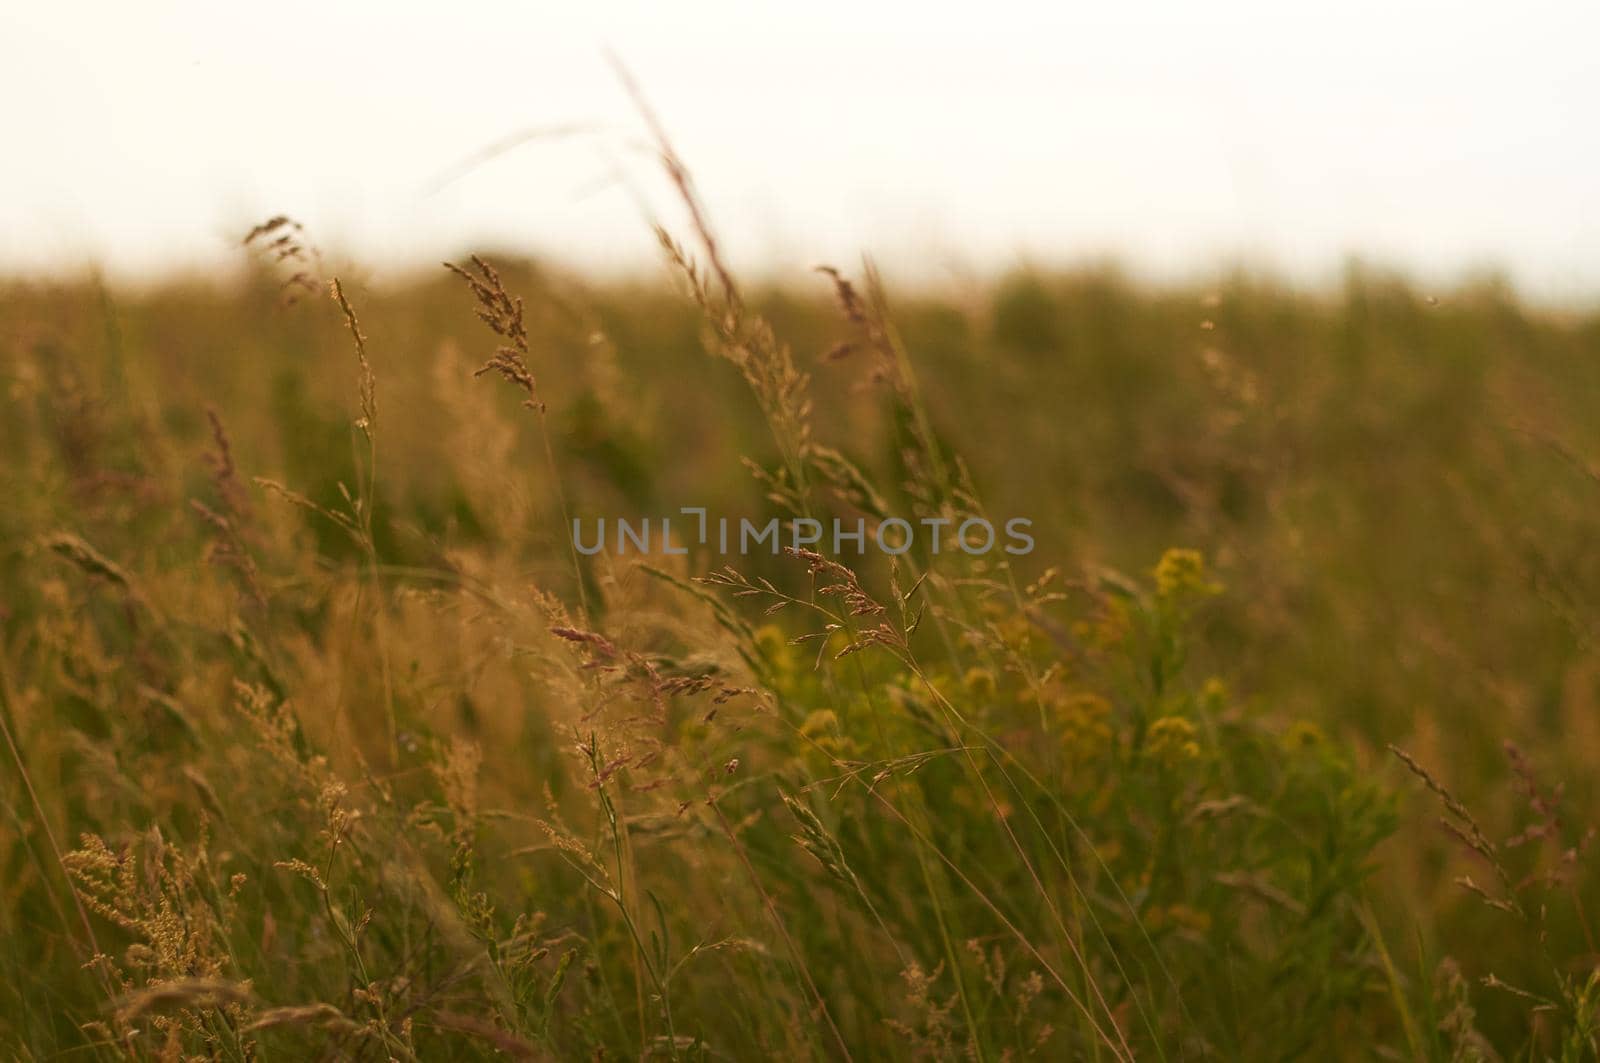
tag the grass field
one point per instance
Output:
(321, 741)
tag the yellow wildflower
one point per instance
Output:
(1182, 574)
(1171, 740)
(1085, 720)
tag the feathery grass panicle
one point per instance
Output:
(503, 314)
(282, 242)
(368, 422)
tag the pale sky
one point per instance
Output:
(943, 139)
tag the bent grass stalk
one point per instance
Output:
(365, 505)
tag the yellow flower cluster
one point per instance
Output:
(1171, 740)
(1182, 574)
(1085, 721)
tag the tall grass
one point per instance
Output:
(323, 739)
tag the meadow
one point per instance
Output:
(322, 741)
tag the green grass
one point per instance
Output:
(320, 742)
